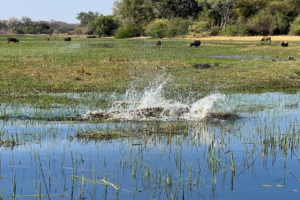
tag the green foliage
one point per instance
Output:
(169, 9)
(246, 8)
(239, 28)
(137, 11)
(128, 31)
(86, 18)
(177, 27)
(201, 27)
(105, 25)
(295, 28)
(168, 28)
(17, 31)
(158, 28)
(78, 31)
(214, 31)
(261, 24)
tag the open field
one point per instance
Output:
(108, 65)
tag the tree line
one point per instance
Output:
(26, 26)
(176, 18)
(194, 18)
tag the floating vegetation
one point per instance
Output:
(103, 134)
(7, 142)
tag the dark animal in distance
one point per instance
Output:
(158, 42)
(67, 39)
(284, 43)
(266, 39)
(47, 39)
(12, 40)
(196, 43)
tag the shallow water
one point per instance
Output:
(212, 160)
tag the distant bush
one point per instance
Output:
(128, 31)
(214, 31)
(157, 28)
(168, 28)
(124, 32)
(105, 25)
(261, 24)
(78, 31)
(239, 28)
(177, 27)
(202, 27)
(295, 27)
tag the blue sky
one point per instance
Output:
(59, 10)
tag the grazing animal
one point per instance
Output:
(67, 39)
(284, 43)
(196, 43)
(12, 40)
(266, 39)
(47, 39)
(158, 42)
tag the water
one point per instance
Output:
(253, 157)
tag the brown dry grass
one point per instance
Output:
(233, 38)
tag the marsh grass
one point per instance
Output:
(84, 65)
(103, 134)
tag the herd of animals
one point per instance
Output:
(196, 43)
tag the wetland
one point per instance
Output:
(108, 118)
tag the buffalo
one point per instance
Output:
(158, 42)
(284, 43)
(67, 39)
(196, 43)
(47, 39)
(266, 39)
(12, 40)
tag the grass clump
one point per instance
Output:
(7, 142)
(102, 134)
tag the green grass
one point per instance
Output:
(108, 65)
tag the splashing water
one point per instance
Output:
(152, 104)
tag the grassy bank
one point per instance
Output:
(35, 65)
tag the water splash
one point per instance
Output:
(151, 104)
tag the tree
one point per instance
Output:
(26, 21)
(169, 9)
(105, 25)
(116, 8)
(221, 9)
(137, 11)
(246, 8)
(85, 18)
(2, 24)
(13, 22)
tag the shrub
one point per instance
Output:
(105, 25)
(261, 24)
(157, 28)
(124, 32)
(177, 27)
(214, 31)
(295, 27)
(239, 28)
(78, 31)
(128, 31)
(201, 27)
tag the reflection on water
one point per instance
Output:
(160, 160)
